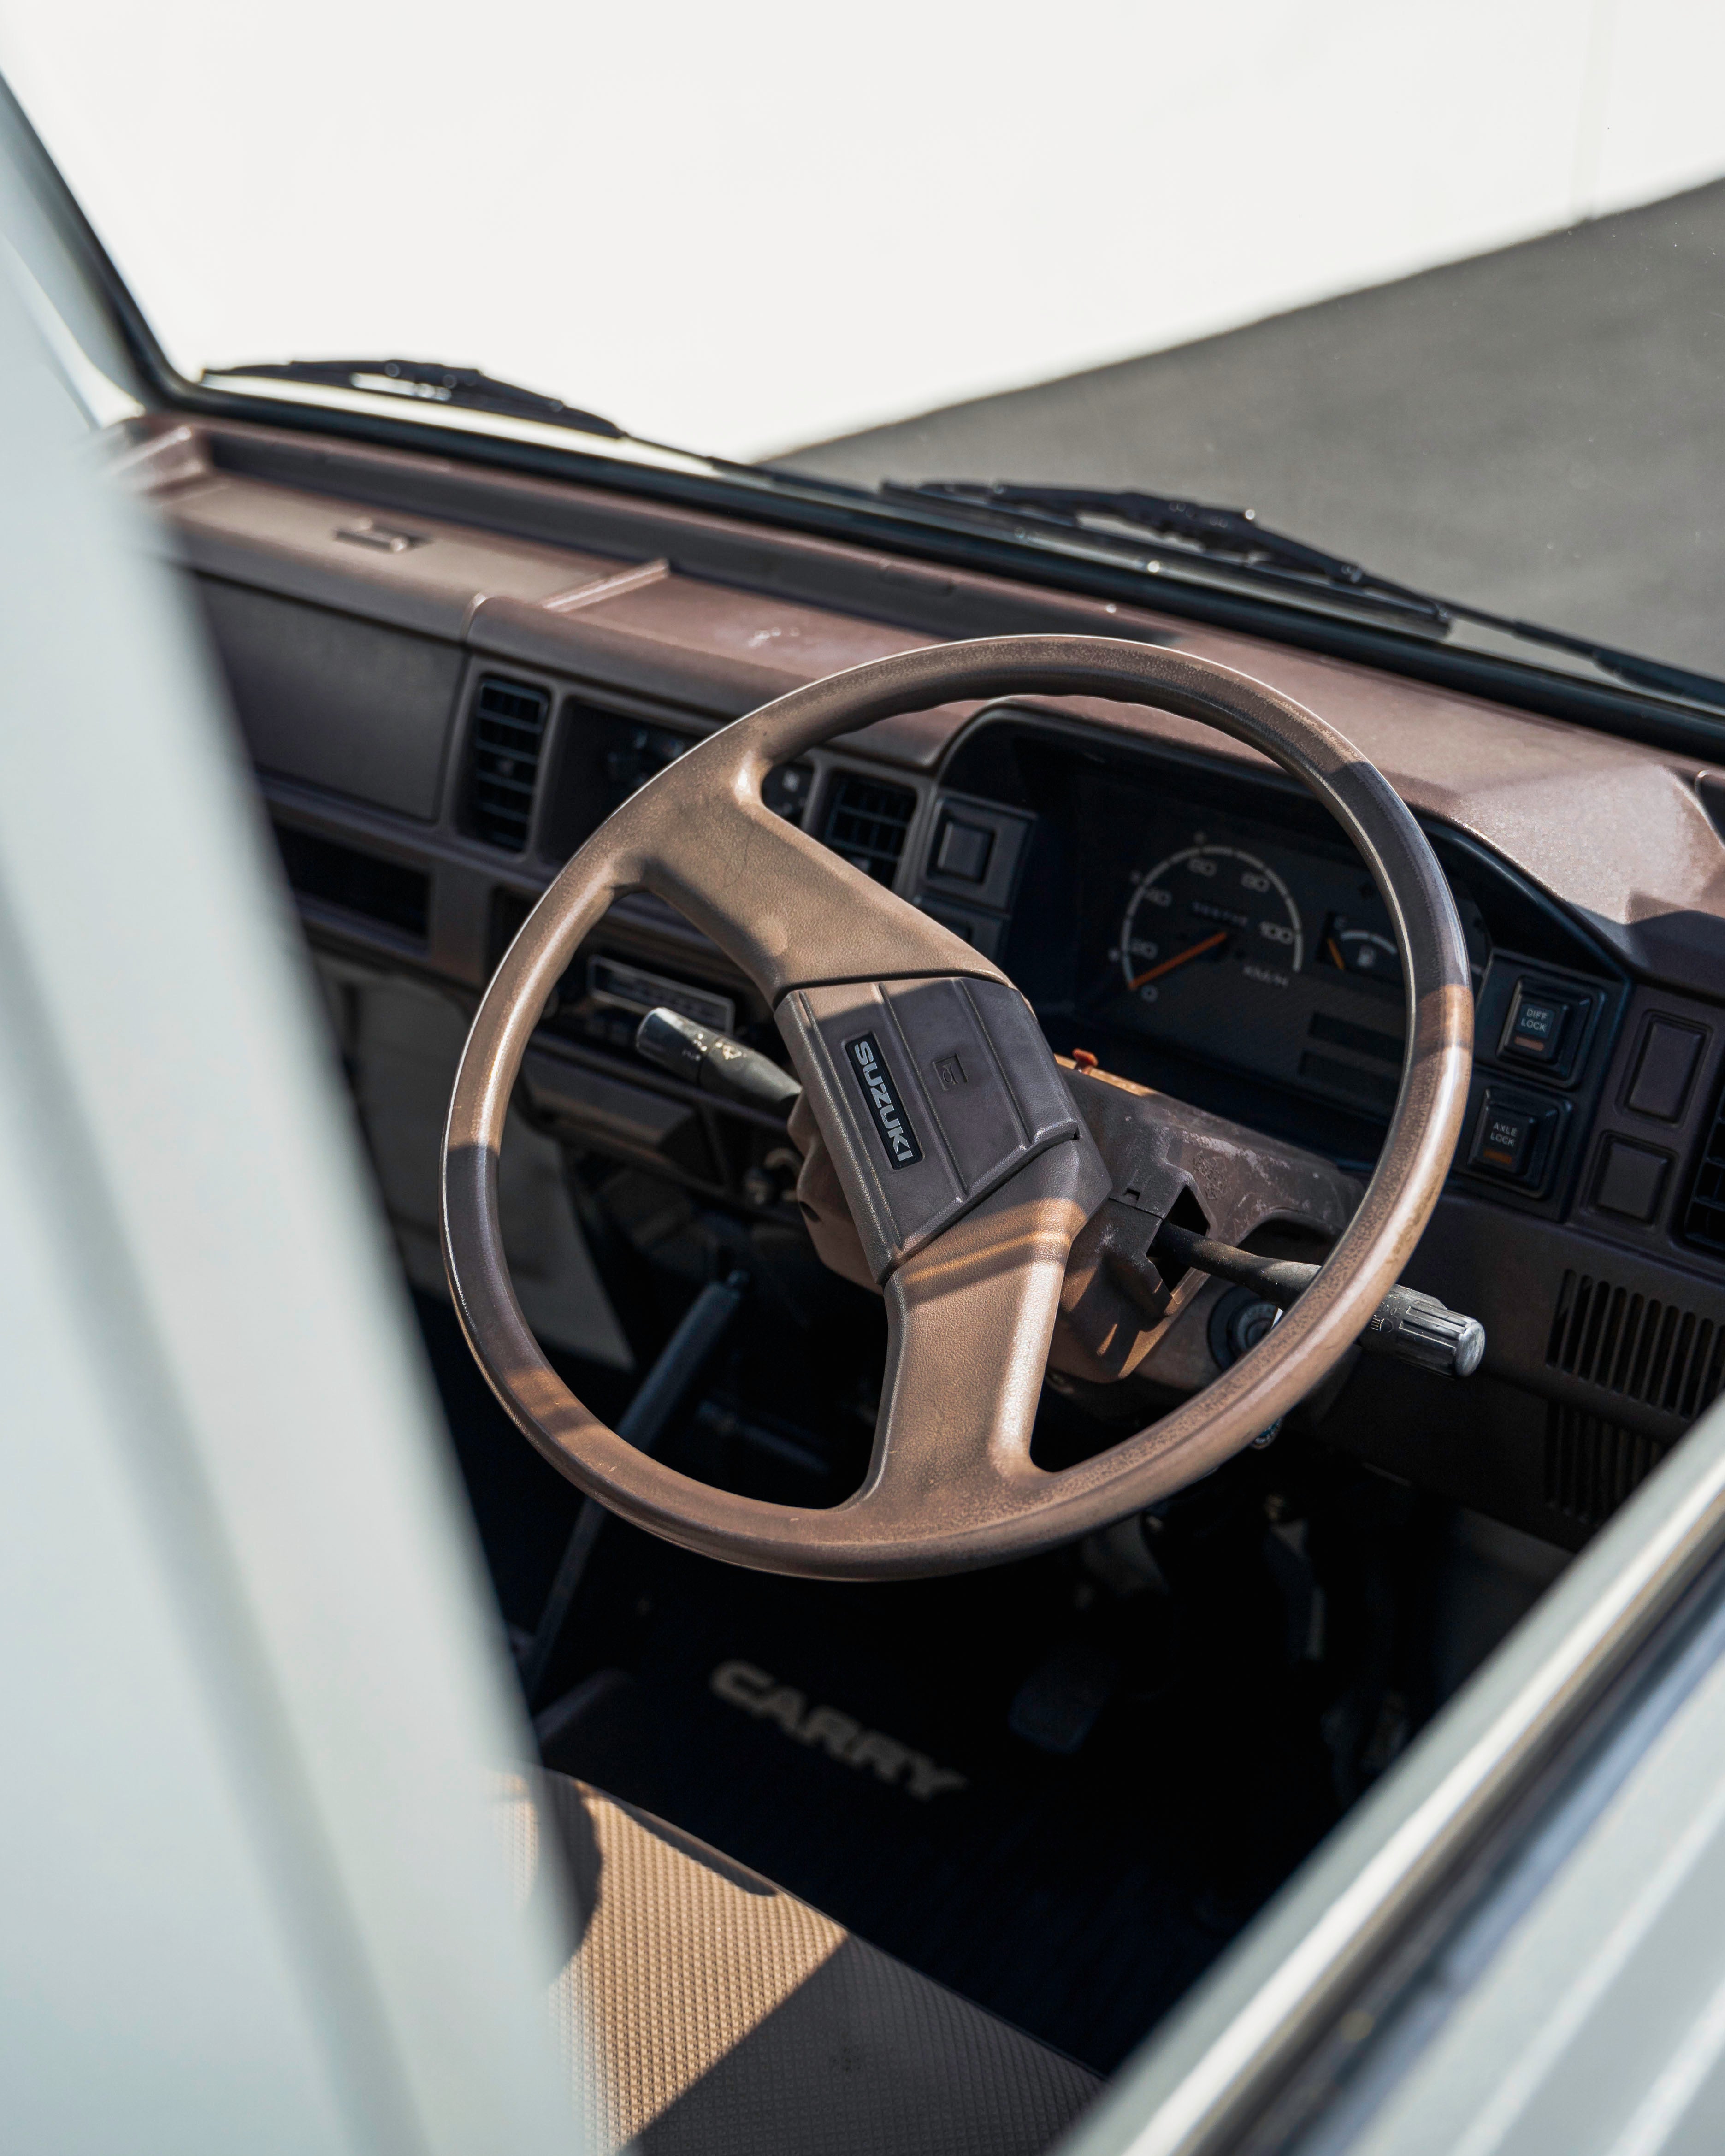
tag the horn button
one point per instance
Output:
(933, 1093)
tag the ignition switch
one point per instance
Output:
(1240, 1320)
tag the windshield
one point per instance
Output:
(1444, 297)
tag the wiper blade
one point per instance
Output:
(1234, 537)
(433, 383)
(1220, 535)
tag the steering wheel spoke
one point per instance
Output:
(969, 1319)
(786, 908)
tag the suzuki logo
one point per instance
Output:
(891, 1121)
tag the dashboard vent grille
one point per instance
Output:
(867, 822)
(1630, 1344)
(1591, 1466)
(388, 892)
(1704, 1214)
(508, 732)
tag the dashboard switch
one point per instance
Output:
(963, 850)
(1666, 1064)
(1544, 1028)
(1512, 1137)
(1631, 1180)
(1504, 1139)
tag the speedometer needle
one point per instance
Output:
(1168, 965)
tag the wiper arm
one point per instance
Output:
(1219, 534)
(1227, 534)
(1235, 537)
(433, 383)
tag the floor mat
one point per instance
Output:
(853, 1744)
(857, 1744)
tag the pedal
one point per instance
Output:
(1056, 1707)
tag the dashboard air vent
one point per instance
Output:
(867, 822)
(388, 892)
(508, 732)
(1630, 1344)
(1704, 1213)
(1591, 1467)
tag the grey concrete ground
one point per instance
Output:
(1541, 431)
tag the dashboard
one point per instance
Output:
(438, 720)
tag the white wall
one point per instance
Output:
(748, 226)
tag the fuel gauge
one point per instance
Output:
(1368, 954)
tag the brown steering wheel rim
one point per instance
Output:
(970, 1316)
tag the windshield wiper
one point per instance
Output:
(1234, 537)
(1219, 534)
(432, 383)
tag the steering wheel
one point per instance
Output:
(966, 1170)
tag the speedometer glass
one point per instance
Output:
(1208, 906)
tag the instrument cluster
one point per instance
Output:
(1268, 950)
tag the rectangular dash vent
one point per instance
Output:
(866, 822)
(342, 877)
(503, 768)
(1703, 1215)
(1632, 1345)
(1592, 1465)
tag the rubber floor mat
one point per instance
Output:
(853, 1744)
(857, 1744)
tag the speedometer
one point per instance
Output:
(1207, 907)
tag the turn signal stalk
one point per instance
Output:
(714, 1062)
